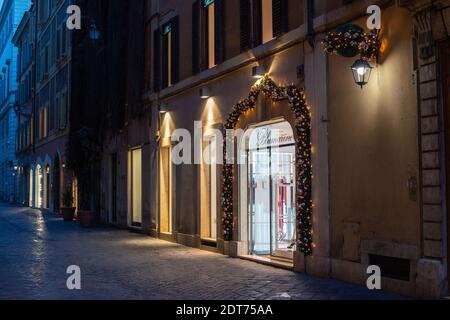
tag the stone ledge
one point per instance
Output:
(390, 249)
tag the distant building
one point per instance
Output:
(44, 45)
(10, 16)
(24, 40)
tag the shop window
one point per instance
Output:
(165, 219)
(209, 192)
(114, 175)
(135, 186)
(31, 188)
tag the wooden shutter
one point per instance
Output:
(196, 37)
(204, 39)
(175, 50)
(245, 23)
(280, 17)
(156, 60)
(257, 23)
(165, 61)
(219, 30)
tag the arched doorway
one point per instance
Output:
(303, 163)
(268, 175)
(56, 185)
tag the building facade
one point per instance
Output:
(378, 154)
(24, 40)
(10, 15)
(44, 44)
(359, 179)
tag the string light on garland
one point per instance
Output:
(302, 112)
(353, 41)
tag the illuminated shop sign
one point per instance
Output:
(271, 136)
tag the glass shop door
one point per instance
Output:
(271, 184)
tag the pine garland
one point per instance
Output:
(367, 44)
(304, 203)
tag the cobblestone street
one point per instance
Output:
(36, 249)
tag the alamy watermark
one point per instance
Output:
(74, 280)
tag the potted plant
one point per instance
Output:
(68, 211)
(84, 159)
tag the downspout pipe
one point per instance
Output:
(310, 10)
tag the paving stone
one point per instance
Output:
(117, 264)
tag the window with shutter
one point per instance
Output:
(280, 17)
(219, 29)
(196, 37)
(170, 53)
(245, 23)
(156, 60)
(257, 21)
(166, 52)
(175, 51)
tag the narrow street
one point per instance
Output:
(36, 249)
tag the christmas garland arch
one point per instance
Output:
(302, 113)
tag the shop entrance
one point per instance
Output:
(270, 183)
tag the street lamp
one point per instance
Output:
(361, 70)
(94, 33)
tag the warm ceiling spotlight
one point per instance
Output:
(361, 70)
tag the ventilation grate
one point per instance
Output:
(393, 268)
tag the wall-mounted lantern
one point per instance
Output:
(361, 70)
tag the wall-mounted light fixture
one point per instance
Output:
(361, 70)
(94, 33)
(205, 93)
(258, 72)
(162, 111)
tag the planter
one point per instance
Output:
(68, 213)
(88, 219)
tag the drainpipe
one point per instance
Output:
(310, 17)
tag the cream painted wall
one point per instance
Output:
(374, 144)
(186, 108)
